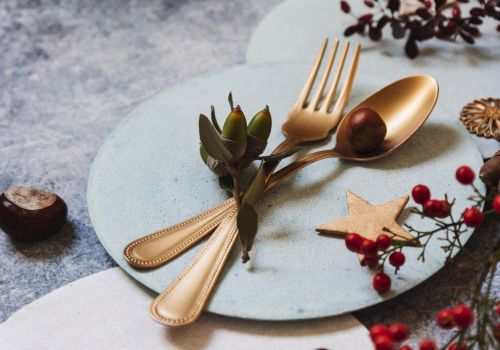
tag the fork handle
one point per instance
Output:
(184, 301)
(156, 249)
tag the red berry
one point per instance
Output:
(397, 259)
(456, 12)
(379, 329)
(370, 261)
(465, 175)
(344, 6)
(436, 208)
(496, 203)
(427, 344)
(368, 247)
(421, 194)
(497, 309)
(381, 282)
(473, 217)
(427, 3)
(457, 346)
(444, 319)
(383, 342)
(462, 315)
(399, 331)
(353, 242)
(405, 347)
(383, 242)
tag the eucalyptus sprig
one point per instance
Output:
(228, 150)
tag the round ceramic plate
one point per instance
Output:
(148, 175)
(294, 29)
(108, 311)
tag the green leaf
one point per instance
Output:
(281, 155)
(210, 139)
(256, 188)
(247, 222)
(214, 119)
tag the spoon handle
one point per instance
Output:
(156, 249)
(184, 301)
(292, 168)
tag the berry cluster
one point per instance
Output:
(438, 208)
(371, 253)
(385, 338)
(438, 19)
(460, 317)
(375, 253)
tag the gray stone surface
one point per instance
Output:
(71, 70)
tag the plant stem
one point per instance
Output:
(234, 171)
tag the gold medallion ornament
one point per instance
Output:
(482, 117)
(369, 220)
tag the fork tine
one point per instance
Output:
(333, 88)
(304, 94)
(346, 89)
(319, 92)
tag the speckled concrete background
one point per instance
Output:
(71, 70)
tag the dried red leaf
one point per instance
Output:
(398, 31)
(351, 30)
(345, 7)
(411, 47)
(375, 33)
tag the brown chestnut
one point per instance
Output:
(366, 129)
(30, 214)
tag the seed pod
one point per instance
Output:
(258, 130)
(260, 125)
(203, 154)
(234, 133)
(217, 166)
(235, 126)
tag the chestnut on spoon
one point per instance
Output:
(404, 106)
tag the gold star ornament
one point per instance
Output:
(369, 220)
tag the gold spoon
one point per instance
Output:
(403, 105)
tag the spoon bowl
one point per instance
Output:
(404, 105)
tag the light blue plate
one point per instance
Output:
(148, 175)
(294, 30)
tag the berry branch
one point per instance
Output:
(439, 19)
(476, 325)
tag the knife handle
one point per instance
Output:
(184, 301)
(156, 249)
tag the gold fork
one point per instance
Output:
(308, 120)
(185, 299)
